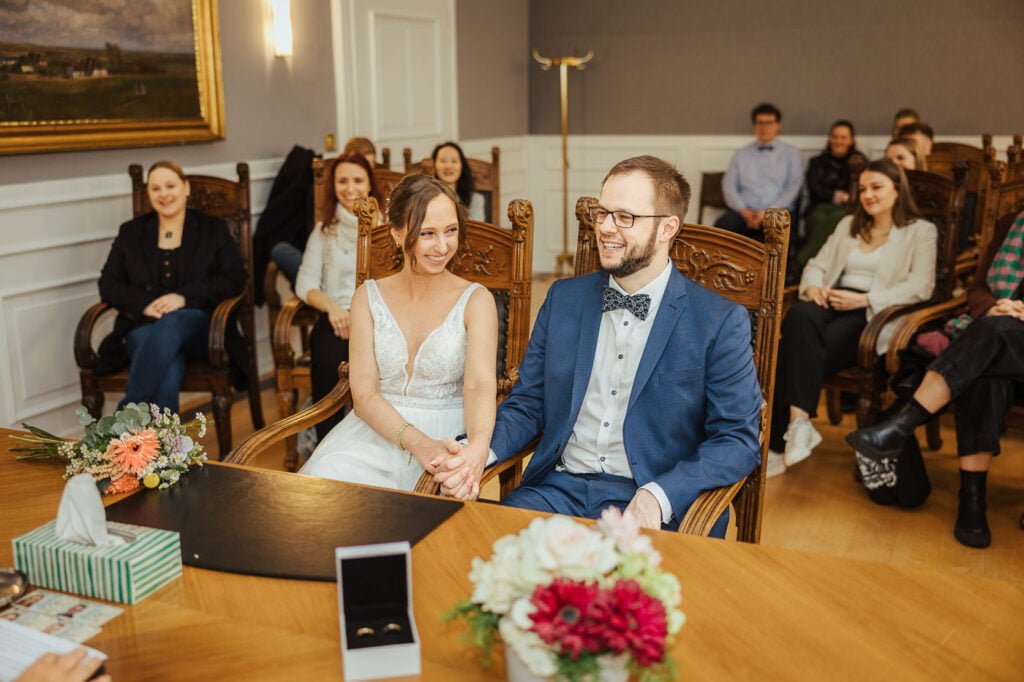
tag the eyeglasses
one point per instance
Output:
(621, 219)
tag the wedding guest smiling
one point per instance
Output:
(166, 272)
(451, 168)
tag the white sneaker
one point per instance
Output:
(801, 439)
(776, 464)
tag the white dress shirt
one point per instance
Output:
(597, 444)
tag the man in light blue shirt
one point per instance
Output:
(767, 173)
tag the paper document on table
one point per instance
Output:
(21, 646)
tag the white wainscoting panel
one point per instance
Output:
(56, 237)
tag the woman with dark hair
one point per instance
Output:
(880, 256)
(166, 272)
(828, 184)
(983, 369)
(327, 276)
(451, 168)
(424, 343)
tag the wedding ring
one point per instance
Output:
(366, 632)
(392, 627)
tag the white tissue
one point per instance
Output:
(81, 517)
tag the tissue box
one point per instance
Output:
(378, 631)
(123, 573)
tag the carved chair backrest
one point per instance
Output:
(940, 200)
(982, 170)
(1015, 159)
(1006, 203)
(711, 195)
(385, 159)
(498, 258)
(220, 197)
(486, 179)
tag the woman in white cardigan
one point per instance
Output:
(882, 255)
(327, 276)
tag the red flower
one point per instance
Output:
(561, 617)
(626, 617)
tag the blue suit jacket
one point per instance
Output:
(692, 422)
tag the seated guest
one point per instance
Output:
(640, 384)
(902, 118)
(982, 370)
(906, 153)
(166, 272)
(882, 255)
(828, 185)
(424, 343)
(765, 174)
(451, 168)
(362, 145)
(327, 277)
(921, 133)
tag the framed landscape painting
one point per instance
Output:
(91, 74)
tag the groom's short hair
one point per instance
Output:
(671, 190)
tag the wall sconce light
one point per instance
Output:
(281, 27)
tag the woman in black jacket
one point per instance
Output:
(828, 185)
(166, 272)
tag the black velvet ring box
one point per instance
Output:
(378, 631)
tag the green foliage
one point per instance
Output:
(583, 669)
(483, 627)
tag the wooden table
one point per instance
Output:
(752, 612)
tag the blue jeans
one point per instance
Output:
(288, 259)
(158, 353)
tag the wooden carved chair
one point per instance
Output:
(486, 179)
(496, 257)
(225, 199)
(747, 272)
(1006, 201)
(1015, 159)
(385, 160)
(938, 200)
(982, 171)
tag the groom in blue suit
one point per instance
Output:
(640, 382)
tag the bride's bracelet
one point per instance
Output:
(399, 433)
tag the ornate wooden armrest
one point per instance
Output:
(910, 323)
(281, 336)
(218, 352)
(85, 356)
(300, 421)
(700, 518)
(866, 353)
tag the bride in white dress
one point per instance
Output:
(421, 354)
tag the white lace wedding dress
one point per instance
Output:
(431, 400)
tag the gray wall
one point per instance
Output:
(493, 55)
(270, 104)
(689, 67)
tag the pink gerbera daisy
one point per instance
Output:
(135, 452)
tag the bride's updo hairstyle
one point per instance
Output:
(407, 207)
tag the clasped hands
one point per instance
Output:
(1008, 307)
(837, 299)
(167, 303)
(752, 218)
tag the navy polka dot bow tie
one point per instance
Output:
(638, 304)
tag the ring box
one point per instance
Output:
(378, 630)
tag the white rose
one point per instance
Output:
(530, 648)
(570, 549)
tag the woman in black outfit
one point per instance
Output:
(166, 272)
(828, 184)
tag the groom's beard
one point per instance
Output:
(635, 259)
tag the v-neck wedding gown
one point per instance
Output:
(430, 399)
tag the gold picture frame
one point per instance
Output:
(204, 121)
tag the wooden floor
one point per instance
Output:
(817, 507)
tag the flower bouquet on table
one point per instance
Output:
(575, 602)
(137, 445)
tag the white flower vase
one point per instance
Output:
(612, 669)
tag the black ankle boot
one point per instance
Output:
(971, 527)
(885, 440)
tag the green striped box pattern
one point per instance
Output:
(122, 573)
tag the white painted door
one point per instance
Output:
(395, 72)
